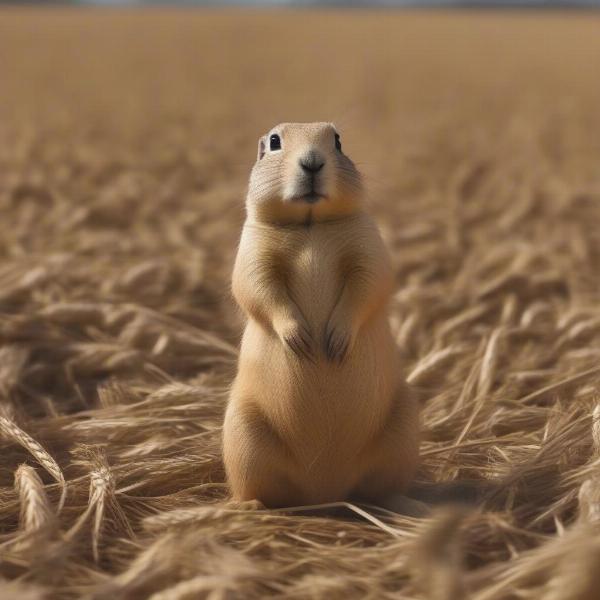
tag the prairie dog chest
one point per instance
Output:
(314, 276)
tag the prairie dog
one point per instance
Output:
(319, 411)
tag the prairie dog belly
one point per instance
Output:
(325, 413)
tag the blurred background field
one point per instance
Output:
(126, 139)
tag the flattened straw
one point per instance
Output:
(469, 385)
(405, 331)
(486, 372)
(484, 381)
(215, 512)
(428, 363)
(36, 512)
(185, 515)
(113, 393)
(15, 433)
(589, 491)
(102, 493)
(596, 430)
(100, 483)
(437, 556)
(584, 328)
(489, 363)
(16, 590)
(352, 507)
(75, 528)
(589, 501)
(444, 449)
(576, 577)
(146, 564)
(208, 338)
(197, 587)
(533, 311)
(509, 308)
(12, 362)
(559, 384)
(469, 314)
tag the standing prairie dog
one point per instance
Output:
(319, 411)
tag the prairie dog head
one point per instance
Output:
(301, 175)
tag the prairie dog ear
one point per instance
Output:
(261, 148)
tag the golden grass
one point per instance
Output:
(125, 143)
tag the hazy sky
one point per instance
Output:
(342, 2)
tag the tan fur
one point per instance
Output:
(319, 410)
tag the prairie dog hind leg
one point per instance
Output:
(257, 462)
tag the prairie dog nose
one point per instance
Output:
(311, 162)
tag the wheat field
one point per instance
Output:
(126, 139)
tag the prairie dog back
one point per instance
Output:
(318, 411)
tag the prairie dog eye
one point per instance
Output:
(338, 142)
(274, 142)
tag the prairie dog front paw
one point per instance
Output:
(295, 334)
(339, 337)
